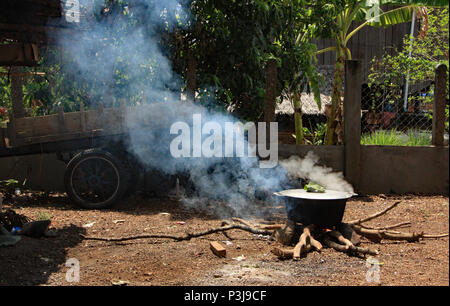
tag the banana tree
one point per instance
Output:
(369, 13)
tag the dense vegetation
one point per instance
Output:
(230, 41)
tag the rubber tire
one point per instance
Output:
(122, 170)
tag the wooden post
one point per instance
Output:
(100, 111)
(17, 92)
(352, 121)
(82, 118)
(271, 94)
(123, 109)
(439, 105)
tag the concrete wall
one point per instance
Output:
(384, 169)
(387, 169)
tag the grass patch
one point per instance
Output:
(396, 138)
(382, 138)
(42, 215)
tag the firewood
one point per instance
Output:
(347, 243)
(376, 215)
(187, 236)
(389, 235)
(246, 223)
(304, 240)
(288, 253)
(348, 232)
(316, 244)
(398, 225)
(352, 250)
(271, 226)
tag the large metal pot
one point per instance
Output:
(321, 209)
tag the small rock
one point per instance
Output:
(239, 258)
(120, 283)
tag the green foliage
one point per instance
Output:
(418, 138)
(315, 136)
(382, 138)
(428, 50)
(232, 41)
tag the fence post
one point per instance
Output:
(191, 77)
(18, 108)
(439, 105)
(352, 121)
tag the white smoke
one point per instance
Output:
(308, 168)
(103, 48)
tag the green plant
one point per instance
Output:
(316, 135)
(418, 138)
(382, 138)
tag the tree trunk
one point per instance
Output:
(298, 118)
(271, 95)
(334, 120)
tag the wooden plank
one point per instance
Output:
(67, 126)
(62, 137)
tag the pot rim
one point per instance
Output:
(303, 194)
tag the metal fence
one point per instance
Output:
(390, 119)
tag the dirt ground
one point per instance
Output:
(248, 261)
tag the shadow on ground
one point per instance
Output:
(142, 204)
(32, 260)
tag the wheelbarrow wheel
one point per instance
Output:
(95, 179)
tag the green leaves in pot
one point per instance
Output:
(313, 187)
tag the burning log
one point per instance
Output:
(348, 248)
(345, 237)
(303, 242)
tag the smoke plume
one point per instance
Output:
(107, 47)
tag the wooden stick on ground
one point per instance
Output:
(394, 235)
(376, 215)
(246, 223)
(352, 249)
(187, 236)
(402, 224)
